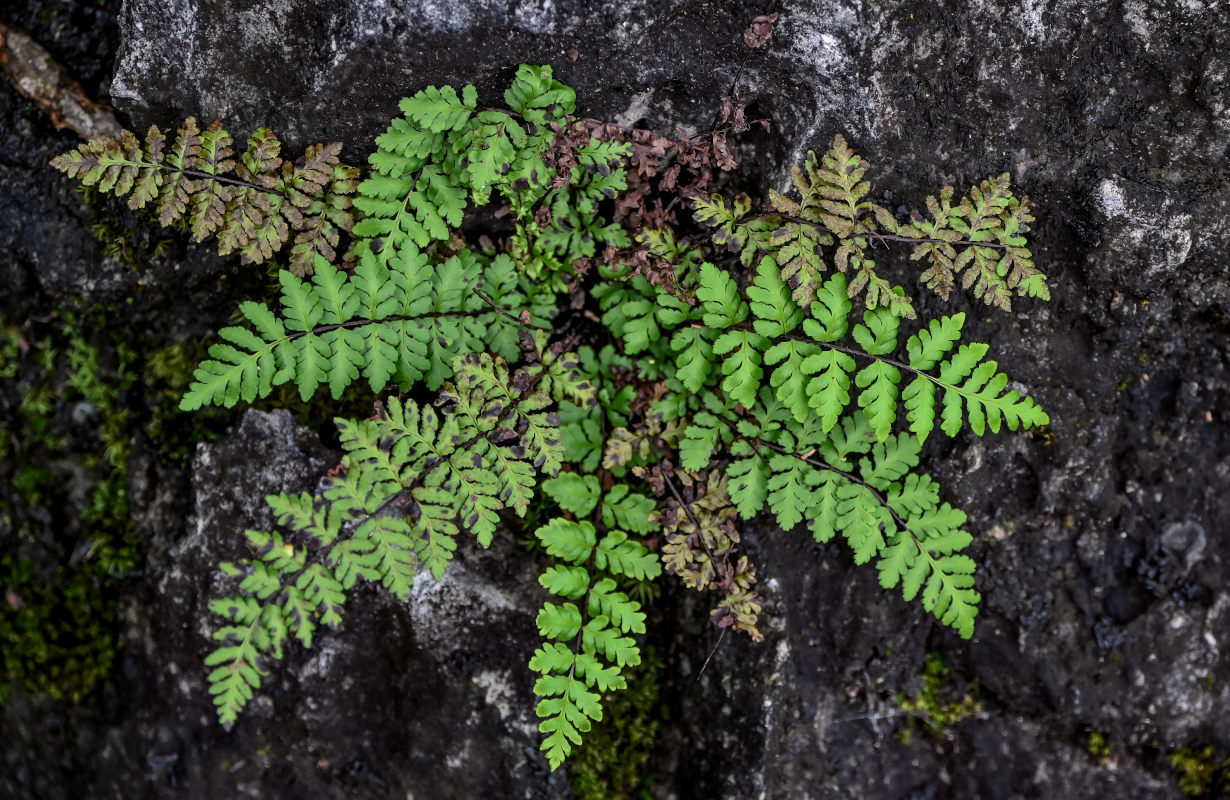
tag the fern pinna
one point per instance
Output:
(732, 379)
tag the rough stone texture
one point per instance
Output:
(444, 669)
(1104, 545)
(50, 248)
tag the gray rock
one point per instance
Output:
(50, 244)
(324, 70)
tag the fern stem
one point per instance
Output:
(687, 508)
(506, 313)
(887, 237)
(193, 173)
(359, 323)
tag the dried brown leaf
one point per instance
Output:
(759, 31)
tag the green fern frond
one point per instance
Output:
(811, 375)
(882, 508)
(754, 379)
(588, 645)
(457, 463)
(399, 323)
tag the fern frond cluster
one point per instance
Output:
(982, 236)
(410, 307)
(251, 203)
(728, 373)
(445, 152)
(760, 379)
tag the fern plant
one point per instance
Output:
(983, 235)
(454, 464)
(730, 377)
(251, 205)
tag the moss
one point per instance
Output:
(57, 634)
(128, 244)
(1200, 772)
(1099, 747)
(611, 764)
(931, 708)
(69, 540)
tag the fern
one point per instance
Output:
(408, 308)
(399, 323)
(983, 235)
(251, 204)
(813, 370)
(700, 541)
(731, 377)
(445, 152)
(588, 645)
(779, 396)
(453, 465)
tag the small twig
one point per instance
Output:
(506, 313)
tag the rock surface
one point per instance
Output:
(1104, 546)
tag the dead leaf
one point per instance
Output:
(727, 159)
(732, 113)
(38, 76)
(759, 31)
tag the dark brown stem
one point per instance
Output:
(700, 534)
(359, 323)
(885, 237)
(757, 443)
(505, 313)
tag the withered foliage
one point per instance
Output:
(701, 542)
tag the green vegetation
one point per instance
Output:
(67, 546)
(611, 764)
(726, 372)
(1099, 747)
(1200, 772)
(73, 400)
(931, 706)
